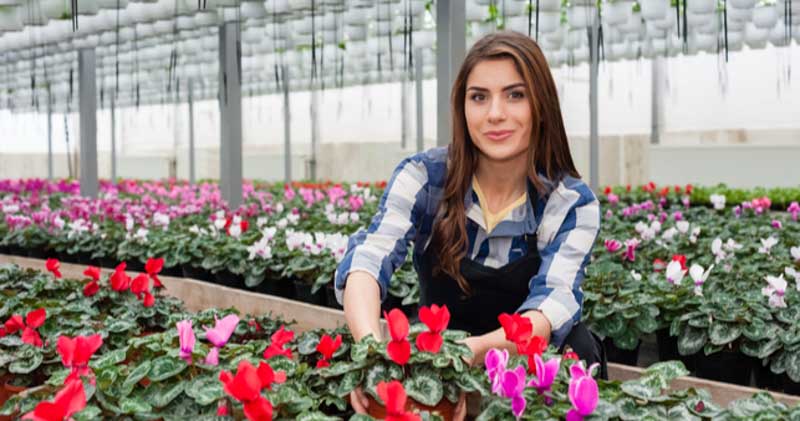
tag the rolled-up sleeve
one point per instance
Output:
(569, 227)
(382, 247)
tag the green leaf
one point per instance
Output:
(134, 405)
(646, 323)
(425, 388)
(637, 389)
(120, 325)
(723, 333)
(88, 413)
(137, 374)
(307, 343)
(349, 382)
(205, 390)
(315, 416)
(376, 374)
(667, 370)
(692, 340)
(110, 358)
(165, 367)
(28, 360)
(793, 366)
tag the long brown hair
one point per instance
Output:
(548, 152)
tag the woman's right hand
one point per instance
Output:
(359, 401)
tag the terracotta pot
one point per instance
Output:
(7, 391)
(444, 408)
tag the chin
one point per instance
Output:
(501, 152)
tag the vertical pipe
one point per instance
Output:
(49, 135)
(287, 122)
(450, 51)
(418, 76)
(113, 139)
(191, 135)
(230, 103)
(88, 122)
(594, 150)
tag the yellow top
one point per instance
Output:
(492, 219)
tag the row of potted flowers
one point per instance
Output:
(216, 363)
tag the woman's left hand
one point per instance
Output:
(473, 342)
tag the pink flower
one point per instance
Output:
(794, 209)
(612, 245)
(495, 362)
(545, 374)
(776, 224)
(186, 339)
(219, 335)
(630, 250)
(583, 392)
(613, 199)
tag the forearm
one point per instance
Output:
(362, 305)
(480, 345)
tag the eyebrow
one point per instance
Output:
(481, 89)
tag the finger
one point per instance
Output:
(461, 408)
(356, 403)
(363, 397)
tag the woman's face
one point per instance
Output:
(497, 110)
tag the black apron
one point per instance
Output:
(495, 291)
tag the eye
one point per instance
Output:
(477, 97)
(516, 95)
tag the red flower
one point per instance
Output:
(280, 338)
(689, 189)
(659, 265)
(120, 281)
(571, 356)
(246, 387)
(607, 190)
(680, 258)
(518, 329)
(141, 287)
(153, 268)
(628, 188)
(53, 266)
(327, 347)
(399, 348)
(91, 289)
(222, 409)
(535, 346)
(33, 320)
(76, 352)
(92, 272)
(68, 401)
(436, 318)
(394, 398)
(13, 324)
(664, 191)
(678, 189)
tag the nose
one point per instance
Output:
(497, 112)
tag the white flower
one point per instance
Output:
(718, 200)
(683, 226)
(161, 219)
(194, 229)
(775, 290)
(675, 272)
(219, 223)
(732, 246)
(655, 226)
(261, 248)
(9, 209)
(58, 222)
(795, 251)
(636, 276)
(279, 207)
(282, 223)
(640, 227)
(293, 218)
(693, 236)
(342, 219)
(269, 233)
(669, 234)
(698, 276)
(261, 221)
(794, 274)
(767, 244)
(329, 208)
(354, 217)
(716, 250)
(141, 235)
(128, 223)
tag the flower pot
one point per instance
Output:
(16, 250)
(134, 266)
(229, 279)
(621, 356)
(790, 387)
(302, 292)
(174, 271)
(727, 366)
(198, 273)
(668, 349)
(39, 253)
(444, 408)
(7, 390)
(766, 379)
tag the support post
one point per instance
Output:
(450, 52)
(594, 147)
(312, 163)
(418, 76)
(113, 139)
(655, 100)
(87, 98)
(49, 135)
(230, 105)
(287, 122)
(191, 134)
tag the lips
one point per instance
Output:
(498, 135)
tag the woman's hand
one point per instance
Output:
(359, 401)
(475, 344)
(461, 408)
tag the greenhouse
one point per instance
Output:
(399, 209)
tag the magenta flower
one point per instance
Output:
(794, 209)
(495, 362)
(776, 224)
(219, 335)
(583, 392)
(613, 199)
(513, 386)
(677, 215)
(630, 250)
(545, 374)
(186, 339)
(612, 245)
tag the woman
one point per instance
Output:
(500, 220)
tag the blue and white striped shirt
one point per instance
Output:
(566, 222)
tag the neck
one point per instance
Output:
(503, 181)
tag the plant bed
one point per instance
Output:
(668, 350)
(303, 292)
(621, 356)
(194, 272)
(727, 366)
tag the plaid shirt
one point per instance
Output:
(566, 222)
